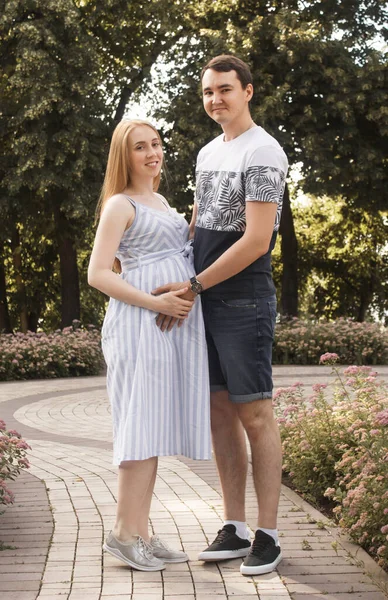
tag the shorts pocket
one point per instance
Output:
(240, 303)
(272, 312)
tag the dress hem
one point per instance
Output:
(117, 463)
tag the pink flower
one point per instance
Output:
(382, 417)
(384, 529)
(317, 387)
(329, 358)
(13, 432)
(353, 370)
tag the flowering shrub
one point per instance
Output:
(12, 460)
(68, 353)
(338, 449)
(302, 342)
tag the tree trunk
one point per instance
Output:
(5, 321)
(20, 287)
(70, 293)
(33, 321)
(367, 290)
(139, 75)
(289, 250)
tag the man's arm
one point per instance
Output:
(260, 220)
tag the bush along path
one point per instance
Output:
(337, 448)
(301, 342)
(76, 350)
(13, 450)
(71, 352)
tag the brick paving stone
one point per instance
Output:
(177, 588)
(275, 594)
(9, 576)
(19, 586)
(144, 595)
(243, 587)
(185, 597)
(81, 595)
(348, 588)
(339, 596)
(20, 595)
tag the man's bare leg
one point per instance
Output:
(230, 450)
(231, 454)
(264, 438)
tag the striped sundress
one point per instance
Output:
(158, 383)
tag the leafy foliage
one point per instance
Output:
(69, 69)
(302, 342)
(12, 460)
(343, 259)
(338, 448)
(71, 352)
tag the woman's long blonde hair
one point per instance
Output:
(117, 174)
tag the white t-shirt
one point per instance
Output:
(251, 167)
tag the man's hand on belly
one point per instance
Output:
(164, 321)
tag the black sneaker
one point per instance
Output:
(226, 545)
(264, 556)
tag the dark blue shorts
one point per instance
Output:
(239, 335)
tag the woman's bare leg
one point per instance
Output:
(136, 481)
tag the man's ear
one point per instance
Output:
(249, 91)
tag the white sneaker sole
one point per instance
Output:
(261, 569)
(117, 554)
(224, 554)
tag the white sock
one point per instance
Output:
(272, 532)
(241, 529)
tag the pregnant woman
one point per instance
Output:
(157, 381)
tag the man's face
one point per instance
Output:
(224, 99)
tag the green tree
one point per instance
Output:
(53, 133)
(343, 259)
(320, 89)
(69, 69)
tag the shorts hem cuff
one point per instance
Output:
(250, 397)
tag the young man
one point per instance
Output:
(240, 179)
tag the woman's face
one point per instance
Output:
(145, 152)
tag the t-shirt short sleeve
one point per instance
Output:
(265, 175)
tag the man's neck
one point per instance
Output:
(233, 130)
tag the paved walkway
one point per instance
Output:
(65, 504)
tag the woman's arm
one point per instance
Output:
(193, 220)
(118, 214)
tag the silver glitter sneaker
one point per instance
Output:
(162, 551)
(138, 554)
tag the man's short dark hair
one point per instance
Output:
(227, 62)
